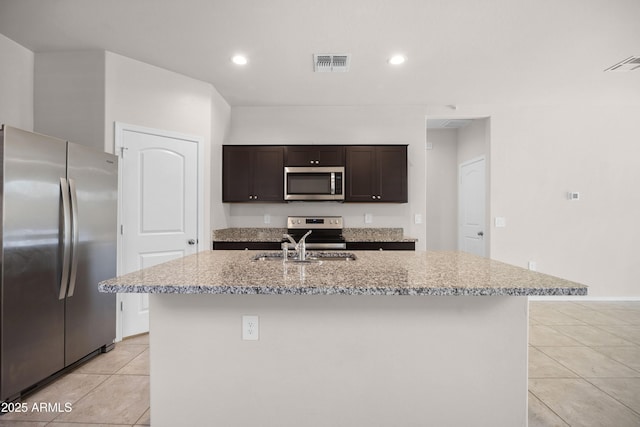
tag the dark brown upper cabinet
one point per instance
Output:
(376, 174)
(314, 155)
(252, 173)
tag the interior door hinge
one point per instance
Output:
(121, 229)
(121, 305)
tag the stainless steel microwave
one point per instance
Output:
(314, 183)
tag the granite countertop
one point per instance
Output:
(373, 273)
(240, 234)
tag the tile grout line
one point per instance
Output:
(548, 407)
(613, 397)
(595, 348)
(560, 363)
(83, 396)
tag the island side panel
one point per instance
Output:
(339, 361)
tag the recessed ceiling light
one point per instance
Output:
(397, 59)
(239, 60)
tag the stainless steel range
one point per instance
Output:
(326, 231)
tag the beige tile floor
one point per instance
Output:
(584, 364)
(111, 389)
(584, 370)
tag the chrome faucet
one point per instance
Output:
(299, 246)
(285, 247)
(302, 247)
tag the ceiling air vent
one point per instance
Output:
(331, 62)
(629, 64)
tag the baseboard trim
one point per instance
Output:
(580, 298)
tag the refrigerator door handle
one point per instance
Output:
(66, 237)
(75, 237)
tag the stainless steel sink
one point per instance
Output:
(312, 257)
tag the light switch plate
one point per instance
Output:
(418, 218)
(501, 221)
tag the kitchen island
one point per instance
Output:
(392, 338)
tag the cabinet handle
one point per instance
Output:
(311, 161)
(317, 162)
(255, 196)
(373, 197)
(379, 197)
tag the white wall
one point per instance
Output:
(70, 96)
(336, 125)
(540, 153)
(441, 218)
(220, 127)
(16, 84)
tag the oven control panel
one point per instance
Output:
(315, 222)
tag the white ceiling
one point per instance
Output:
(459, 51)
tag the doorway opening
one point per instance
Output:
(457, 184)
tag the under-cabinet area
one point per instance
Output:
(347, 173)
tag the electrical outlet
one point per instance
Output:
(250, 328)
(267, 219)
(418, 218)
(533, 266)
(368, 218)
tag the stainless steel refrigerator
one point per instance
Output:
(58, 214)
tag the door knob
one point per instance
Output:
(480, 233)
(191, 241)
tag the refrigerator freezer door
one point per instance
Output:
(90, 315)
(32, 323)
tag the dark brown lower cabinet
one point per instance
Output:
(250, 246)
(381, 246)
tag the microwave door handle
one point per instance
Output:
(333, 183)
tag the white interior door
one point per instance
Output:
(471, 206)
(159, 209)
